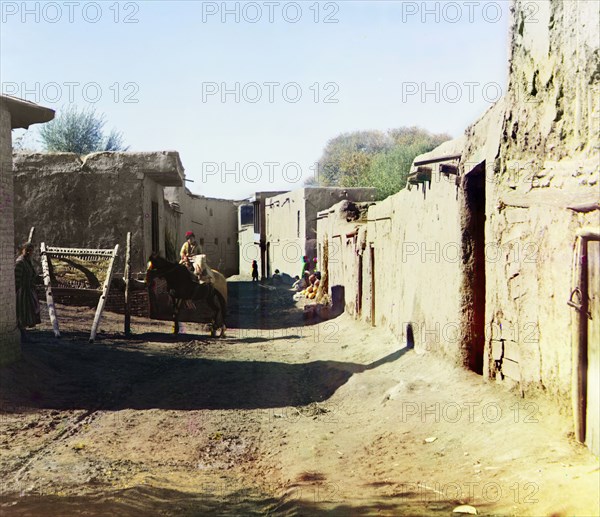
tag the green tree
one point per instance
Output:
(81, 132)
(389, 170)
(347, 157)
(374, 158)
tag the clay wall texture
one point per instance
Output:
(215, 224)
(94, 202)
(291, 223)
(547, 161)
(414, 237)
(9, 335)
(539, 150)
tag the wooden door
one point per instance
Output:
(592, 433)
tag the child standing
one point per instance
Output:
(254, 271)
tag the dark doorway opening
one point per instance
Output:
(268, 260)
(474, 260)
(154, 228)
(360, 286)
(410, 336)
(372, 262)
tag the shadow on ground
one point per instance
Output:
(73, 374)
(254, 305)
(218, 500)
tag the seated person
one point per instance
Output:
(189, 249)
(296, 283)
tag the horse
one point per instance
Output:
(206, 274)
(183, 287)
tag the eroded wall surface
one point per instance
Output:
(539, 150)
(91, 203)
(548, 161)
(407, 258)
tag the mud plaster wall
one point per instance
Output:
(286, 229)
(292, 223)
(91, 204)
(417, 264)
(248, 251)
(415, 236)
(548, 160)
(215, 224)
(9, 335)
(343, 262)
(539, 145)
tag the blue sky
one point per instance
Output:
(158, 71)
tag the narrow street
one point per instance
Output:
(283, 417)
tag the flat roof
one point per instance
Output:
(24, 113)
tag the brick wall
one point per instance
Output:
(9, 335)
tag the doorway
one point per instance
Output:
(154, 229)
(473, 245)
(360, 286)
(372, 261)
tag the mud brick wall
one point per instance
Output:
(213, 221)
(291, 223)
(409, 256)
(539, 150)
(544, 160)
(9, 335)
(92, 202)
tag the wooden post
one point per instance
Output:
(31, 232)
(127, 275)
(104, 295)
(49, 298)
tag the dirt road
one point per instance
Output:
(282, 417)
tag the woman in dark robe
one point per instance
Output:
(28, 306)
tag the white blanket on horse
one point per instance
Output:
(208, 275)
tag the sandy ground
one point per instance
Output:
(285, 416)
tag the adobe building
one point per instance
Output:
(92, 202)
(391, 254)
(252, 233)
(14, 113)
(214, 223)
(490, 256)
(291, 224)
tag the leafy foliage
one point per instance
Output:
(80, 132)
(374, 158)
(348, 155)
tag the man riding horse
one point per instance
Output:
(181, 287)
(188, 250)
(195, 261)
